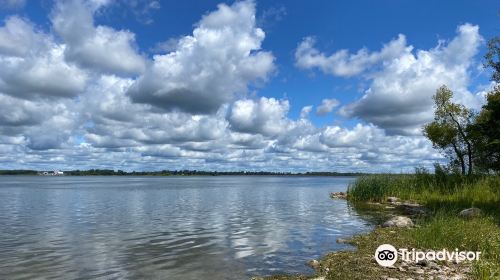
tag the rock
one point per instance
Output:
(418, 270)
(433, 265)
(423, 263)
(319, 278)
(470, 213)
(412, 208)
(343, 241)
(338, 195)
(398, 221)
(392, 199)
(314, 264)
(390, 278)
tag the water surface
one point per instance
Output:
(168, 227)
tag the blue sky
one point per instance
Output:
(256, 94)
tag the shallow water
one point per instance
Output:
(169, 227)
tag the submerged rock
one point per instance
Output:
(398, 221)
(314, 264)
(343, 241)
(470, 213)
(339, 195)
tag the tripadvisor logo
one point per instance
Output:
(387, 255)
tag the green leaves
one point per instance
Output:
(448, 132)
(493, 58)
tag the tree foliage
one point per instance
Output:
(449, 131)
(493, 58)
(486, 133)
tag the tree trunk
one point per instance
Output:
(469, 155)
(467, 142)
(460, 157)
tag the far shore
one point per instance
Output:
(110, 172)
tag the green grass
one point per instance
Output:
(434, 233)
(449, 231)
(450, 192)
(445, 196)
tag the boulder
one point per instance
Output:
(398, 221)
(412, 208)
(470, 213)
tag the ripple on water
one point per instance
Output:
(168, 228)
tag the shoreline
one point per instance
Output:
(425, 222)
(360, 262)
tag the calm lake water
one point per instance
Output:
(169, 227)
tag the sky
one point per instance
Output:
(280, 85)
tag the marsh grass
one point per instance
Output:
(436, 192)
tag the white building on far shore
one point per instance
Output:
(54, 173)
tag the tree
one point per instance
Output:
(486, 132)
(493, 58)
(449, 131)
(486, 129)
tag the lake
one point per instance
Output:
(232, 227)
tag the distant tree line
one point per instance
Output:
(111, 172)
(18, 172)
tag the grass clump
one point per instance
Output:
(435, 191)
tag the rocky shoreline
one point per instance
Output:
(401, 216)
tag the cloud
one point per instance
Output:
(402, 81)
(16, 37)
(100, 48)
(266, 116)
(20, 112)
(220, 59)
(33, 64)
(12, 4)
(143, 9)
(305, 111)
(189, 108)
(342, 63)
(326, 106)
(399, 97)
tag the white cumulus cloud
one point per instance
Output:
(209, 67)
(101, 48)
(327, 106)
(342, 63)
